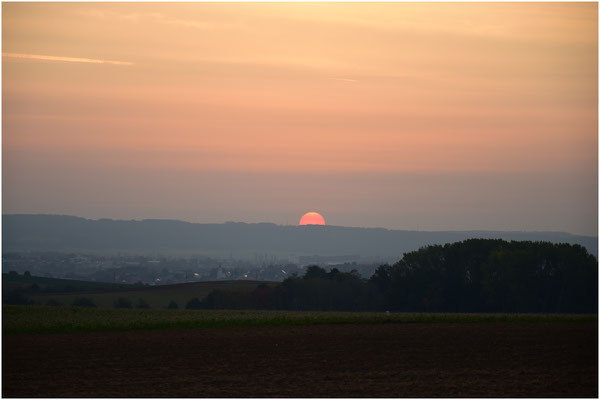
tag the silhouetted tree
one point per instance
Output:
(193, 304)
(262, 296)
(476, 275)
(122, 302)
(315, 272)
(142, 304)
(172, 305)
(491, 275)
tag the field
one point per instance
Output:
(435, 359)
(40, 319)
(12, 281)
(104, 295)
(83, 352)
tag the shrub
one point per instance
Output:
(172, 305)
(194, 304)
(122, 302)
(142, 304)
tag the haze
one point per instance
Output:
(423, 116)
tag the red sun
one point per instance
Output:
(312, 218)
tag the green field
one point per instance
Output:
(40, 319)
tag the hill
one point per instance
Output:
(41, 291)
(26, 232)
(12, 281)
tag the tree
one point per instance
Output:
(193, 304)
(172, 305)
(491, 275)
(262, 296)
(122, 302)
(315, 272)
(142, 304)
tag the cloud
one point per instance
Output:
(343, 79)
(157, 17)
(160, 18)
(64, 59)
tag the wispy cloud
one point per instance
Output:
(64, 59)
(343, 79)
(157, 17)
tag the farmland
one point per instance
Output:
(107, 352)
(155, 296)
(65, 291)
(13, 281)
(433, 359)
(235, 345)
(41, 319)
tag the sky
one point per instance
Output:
(420, 116)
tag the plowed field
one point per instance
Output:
(362, 360)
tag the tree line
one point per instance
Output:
(475, 275)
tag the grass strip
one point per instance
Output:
(41, 319)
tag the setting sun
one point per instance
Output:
(395, 115)
(312, 218)
(155, 156)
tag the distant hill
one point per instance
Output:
(24, 232)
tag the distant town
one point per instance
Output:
(164, 270)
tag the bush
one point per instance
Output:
(172, 305)
(193, 304)
(142, 304)
(122, 302)
(83, 302)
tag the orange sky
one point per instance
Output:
(102, 99)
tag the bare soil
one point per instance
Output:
(366, 360)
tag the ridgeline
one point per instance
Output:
(21, 232)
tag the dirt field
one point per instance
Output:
(383, 360)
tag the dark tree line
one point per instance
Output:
(476, 275)
(492, 276)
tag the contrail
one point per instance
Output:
(64, 59)
(344, 79)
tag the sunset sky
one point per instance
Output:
(428, 116)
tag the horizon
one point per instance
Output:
(426, 117)
(291, 225)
